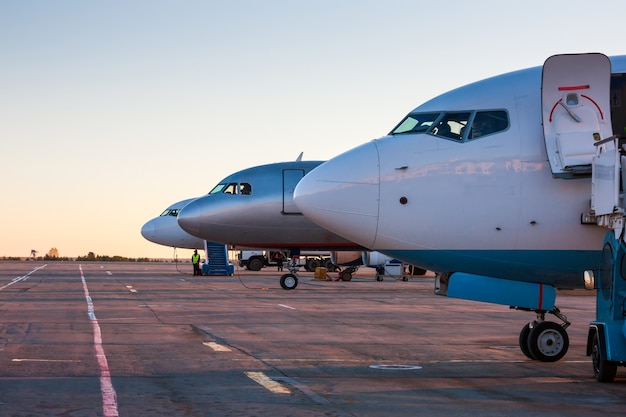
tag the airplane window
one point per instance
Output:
(165, 213)
(231, 188)
(415, 123)
(488, 122)
(451, 125)
(217, 189)
(246, 188)
(174, 213)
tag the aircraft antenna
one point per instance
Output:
(299, 158)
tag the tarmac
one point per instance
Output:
(150, 339)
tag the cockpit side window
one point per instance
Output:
(415, 123)
(451, 125)
(174, 213)
(245, 188)
(488, 122)
(165, 213)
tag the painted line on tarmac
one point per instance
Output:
(217, 347)
(268, 383)
(109, 396)
(130, 288)
(22, 278)
(286, 306)
(43, 360)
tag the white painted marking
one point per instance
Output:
(265, 381)
(109, 273)
(22, 278)
(286, 306)
(43, 360)
(109, 396)
(396, 367)
(217, 347)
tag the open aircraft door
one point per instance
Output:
(576, 110)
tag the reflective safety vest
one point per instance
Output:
(195, 258)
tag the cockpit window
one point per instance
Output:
(455, 125)
(415, 123)
(488, 122)
(245, 188)
(451, 125)
(217, 189)
(170, 212)
(233, 188)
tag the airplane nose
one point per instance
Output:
(148, 230)
(189, 218)
(342, 195)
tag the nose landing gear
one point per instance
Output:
(545, 341)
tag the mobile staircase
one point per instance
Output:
(217, 260)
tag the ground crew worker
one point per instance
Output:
(195, 260)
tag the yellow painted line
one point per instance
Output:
(267, 382)
(217, 347)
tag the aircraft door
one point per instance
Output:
(576, 111)
(291, 178)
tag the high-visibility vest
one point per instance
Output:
(195, 258)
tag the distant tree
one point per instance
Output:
(52, 253)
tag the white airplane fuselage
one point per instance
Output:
(164, 229)
(488, 206)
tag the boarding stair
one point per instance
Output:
(217, 260)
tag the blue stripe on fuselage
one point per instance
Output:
(561, 268)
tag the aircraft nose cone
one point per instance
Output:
(147, 231)
(189, 218)
(342, 195)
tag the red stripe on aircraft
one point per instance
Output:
(574, 87)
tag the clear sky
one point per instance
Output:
(112, 110)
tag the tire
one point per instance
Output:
(547, 341)
(289, 281)
(255, 264)
(345, 275)
(603, 370)
(523, 341)
(311, 264)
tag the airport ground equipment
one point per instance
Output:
(606, 340)
(217, 260)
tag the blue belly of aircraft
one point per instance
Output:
(561, 268)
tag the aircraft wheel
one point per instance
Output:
(289, 281)
(547, 341)
(523, 341)
(345, 275)
(603, 370)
